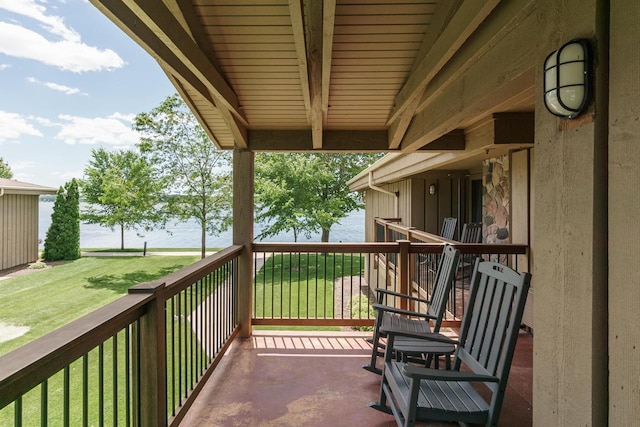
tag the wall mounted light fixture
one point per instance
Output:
(566, 79)
(432, 189)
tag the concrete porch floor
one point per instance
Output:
(292, 378)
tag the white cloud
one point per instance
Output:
(68, 175)
(13, 126)
(4, 66)
(55, 86)
(112, 130)
(52, 24)
(67, 51)
(21, 166)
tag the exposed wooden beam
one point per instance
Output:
(193, 25)
(481, 88)
(507, 18)
(297, 25)
(463, 24)
(149, 40)
(196, 112)
(333, 140)
(513, 128)
(313, 19)
(165, 27)
(328, 25)
(452, 141)
(398, 127)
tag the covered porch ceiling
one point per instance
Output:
(331, 75)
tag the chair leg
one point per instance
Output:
(381, 404)
(371, 367)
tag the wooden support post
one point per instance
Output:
(402, 271)
(243, 161)
(150, 378)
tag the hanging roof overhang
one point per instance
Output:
(10, 186)
(332, 75)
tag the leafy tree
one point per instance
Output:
(306, 192)
(198, 175)
(62, 241)
(5, 169)
(332, 198)
(282, 194)
(121, 190)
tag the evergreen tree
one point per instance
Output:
(63, 237)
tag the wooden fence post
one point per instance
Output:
(149, 382)
(402, 271)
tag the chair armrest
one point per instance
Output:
(428, 336)
(401, 295)
(419, 372)
(389, 309)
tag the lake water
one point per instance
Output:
(187, 234)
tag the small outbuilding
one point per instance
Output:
(19, 222)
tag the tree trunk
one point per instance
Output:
(203, 240)
(325, 235)
(122, 237)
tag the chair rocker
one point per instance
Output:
(397, 318)
(486, 345)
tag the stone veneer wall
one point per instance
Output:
(496, 200)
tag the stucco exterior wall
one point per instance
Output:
(18, 230)
(570, 314)
(624, 208)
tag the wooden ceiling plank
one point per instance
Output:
(334, 140)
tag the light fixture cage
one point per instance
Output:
(566, 79)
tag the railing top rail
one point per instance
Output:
(328, 247)
(386, 220)
(181, 279)
(29, 365)
(429, 237)
(472, 248)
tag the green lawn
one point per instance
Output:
(302, 286)
(47, 299)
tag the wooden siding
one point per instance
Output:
(18, 230)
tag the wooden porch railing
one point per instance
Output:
(137, 361)
(425, 248)
(142, 359)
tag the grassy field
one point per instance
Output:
(302, 287)
(47, 299)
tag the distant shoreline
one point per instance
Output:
(187, 235)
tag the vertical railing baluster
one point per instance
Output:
(114, 392)
(44, 403)
(127, 369)
(85, 389)
(66, 389)
(101, 385)
(17, 412)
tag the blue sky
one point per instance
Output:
(70, 81)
